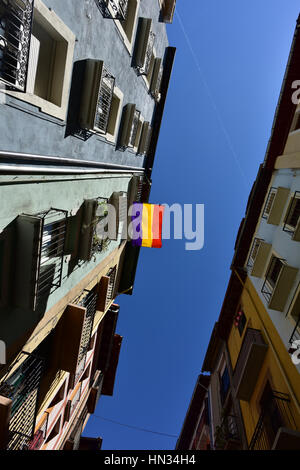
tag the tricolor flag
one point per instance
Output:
(147, 224)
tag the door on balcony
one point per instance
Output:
(272, 416)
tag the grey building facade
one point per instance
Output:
(83, 86)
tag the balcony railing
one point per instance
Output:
(51, 251)
(269, 202)
(89, 302)
(111, 285)
(134, 128)
(228, 433)
(113, 9)
(275, 414)
(253, 252)
(39, 436)
(104, 101)
(143, 190)
(249, 363)
(15, 33)
(295, 336)
(272, 275)
(22, 387)
(143, 69)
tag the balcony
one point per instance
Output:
(15, 33)
(95, 392)
(295, 336)
(94, 211)
(39, 435)
(39, 256)
(145, 139)
(113, 9)
(73, 441)
(258, 257)
(89, 302)
(97, 97)
(249, 363)
(144, 46)
(130, 131)
(276, 428)
(167, 10)
(279, 280)
(227, 435)
(21, 387)
(275, 204)
(292, 219)
(156, 79)
(143, 189)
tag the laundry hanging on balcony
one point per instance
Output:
(146, 225)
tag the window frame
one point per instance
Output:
(53, 21)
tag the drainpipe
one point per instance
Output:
(32, 159)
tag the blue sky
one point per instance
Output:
(230, 61)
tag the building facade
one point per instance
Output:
(253, 354)
(83, 90)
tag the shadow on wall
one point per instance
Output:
(73, 127)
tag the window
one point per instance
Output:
(156, 79)
(145, 139)
(224, 384)
(279, 281)
(144, 45)
(269, 202)
(113, 9)
(101, 101)
(15, 26)
(240, 321)
(50, 62)
(131, 128)
(291, 222)
(167, 10)
(126, 27)
(275, 204)
(274, 270)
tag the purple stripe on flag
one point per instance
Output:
(136, 219)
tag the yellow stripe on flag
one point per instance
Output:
(147, 218)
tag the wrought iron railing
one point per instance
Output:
(272, 275)
(54, 223)
(134, 128)
(292, 217)
(39, 436)
(269, 202)
(253, 252)
(100, 237)
(295, 336)
(143, 189)
(156, 91)
(275, 414)
(113, 9)
(76, 400)
(227, 431)
(144, 68)
(22, 387)
(15, 33)
(111, 285)
(104, 100)
(89, 302)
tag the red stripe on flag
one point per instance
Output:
(157, 221)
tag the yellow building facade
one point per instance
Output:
(272, 370)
